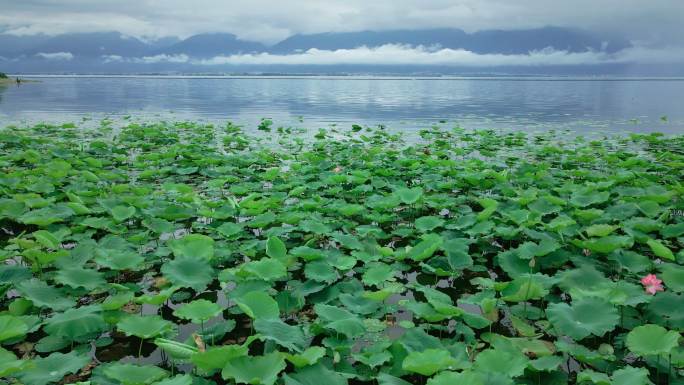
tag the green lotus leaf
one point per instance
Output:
(665, 310)
(321, 271)
(457, 253)
(117, 301)
(593, 377)
(74, 323)
(47, 215)
(13, 274)
(600, 230)
(52, 368)
(428, 223)
(586, 316)
(145, 326)
(587, 197)
(9, 363)
(193, 245)
(190, 272)
(229, 229)
(275, 248)
(409, 195)
(158, 298)
(673, 230)
(122, 213)
(47, 239)
(119, 259)
(660, 250)
(651, 339)
(314, 375)
(340, 320)
(500, 361)
(387, 379)
(288, 336)
(198, 311)
(11, 327)
(255, 370)
(607, 244)
(176, 350)
(524, 289)
(425, 248)
(429, 361)
(131, 374)
(308, 357)
(629, 375)
(314, 226)
(268, 269)
(673, 276)
(44, 295)
(76, 277)
(258, 305)
(216, 358)
(183, 379)
(378, 273)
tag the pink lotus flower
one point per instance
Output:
(652, 284)
(337, 169)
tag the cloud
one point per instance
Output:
(112, 58)
(272, 20)
(163, 58)
(394, 54)
(56, 55)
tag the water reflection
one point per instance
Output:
(405, 103)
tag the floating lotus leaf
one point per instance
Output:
(255, 370)
(308, 357)
(275, 248)
(45, 370)
(44, 295)
(11, 327)
(257, 304)
(314, 375)
(131, 374)
(183, 379)
(429, 361)
(193, 245)
(9, 363)
(504, 362)
(216, 358)
(649, 339)
(288, 336)
(425, 248)
(76, 277)
(74, 323)
(190, 272)
(145, 326)
(176, 350)
(409, 195)
(198, 311)
(586, 316)
(660, 250)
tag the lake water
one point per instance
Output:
(581, 105)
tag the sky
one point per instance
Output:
(653, 22)
(654, 27)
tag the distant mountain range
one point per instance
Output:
(112, 52)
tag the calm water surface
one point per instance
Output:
(581, 105)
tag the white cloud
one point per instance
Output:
(112, 58)
(163, 58)
(272, 20)
(393, 54)
(56, 55)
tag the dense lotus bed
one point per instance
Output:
(182, 253)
